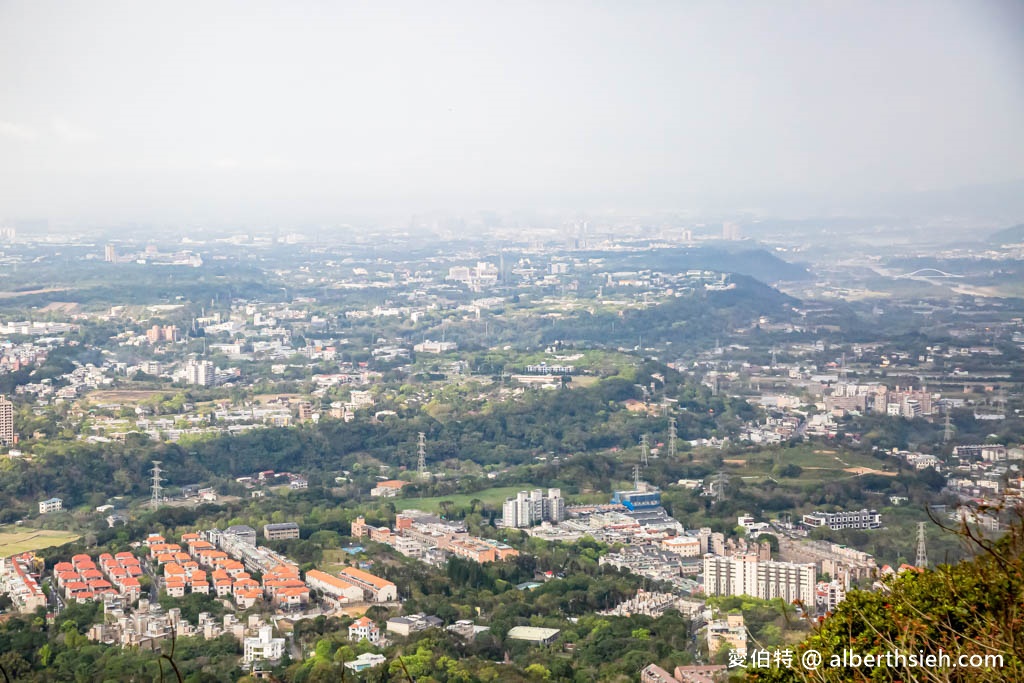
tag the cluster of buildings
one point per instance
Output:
(634, 517)
(433, 540)
(68, 386)
(366, 629)
(842, 563)
(148, 625)
(657, 564)
(36, 328)
(707, 673)
(654, 604)
(994, 452)
(19, 579)
(483, 274)
(845, 398)
(151, 255)
(23, 355)
(221, 563)
(80, 580)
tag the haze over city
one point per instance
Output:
(512, 342)
(288, 113)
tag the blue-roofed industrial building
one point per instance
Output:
(644, 498)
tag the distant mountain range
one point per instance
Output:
(1011, 235)
(754, 262)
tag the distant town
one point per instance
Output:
(314, 455)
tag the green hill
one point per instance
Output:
(1010, 235)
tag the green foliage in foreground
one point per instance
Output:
(971, 608)
(33, 651)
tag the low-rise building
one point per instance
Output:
(50, 505)
(242, 533)
(281, 532)
(534, 634)
(730, 632)
(335, 590)
(836, 521)
(412, 623)
(365, 661)
(363, 628)
(374, 588)
(388, 489)
(263, 647)
(653, 673)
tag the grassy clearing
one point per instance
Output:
(13, 542)
(126, 396)
(807, 457)
(492, 497)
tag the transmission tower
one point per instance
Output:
(947, 432)
(154, 500)
(671, 437)
(922, 548)
(645, 450)
(421, 462)
(720, 491)
(636, 477)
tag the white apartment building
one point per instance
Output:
(6, 422)
(50, 505)
(263, 647)
(743, 574)
(200, 372)
(859, 519)
(533, 507)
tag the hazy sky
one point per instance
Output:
(298, 111)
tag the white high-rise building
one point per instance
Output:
(6, 422)
(743, 574)
(200, 372)
(533, 507)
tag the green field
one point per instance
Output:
(15, 540)
(492, 497)
(819, 465)
(807, 457)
